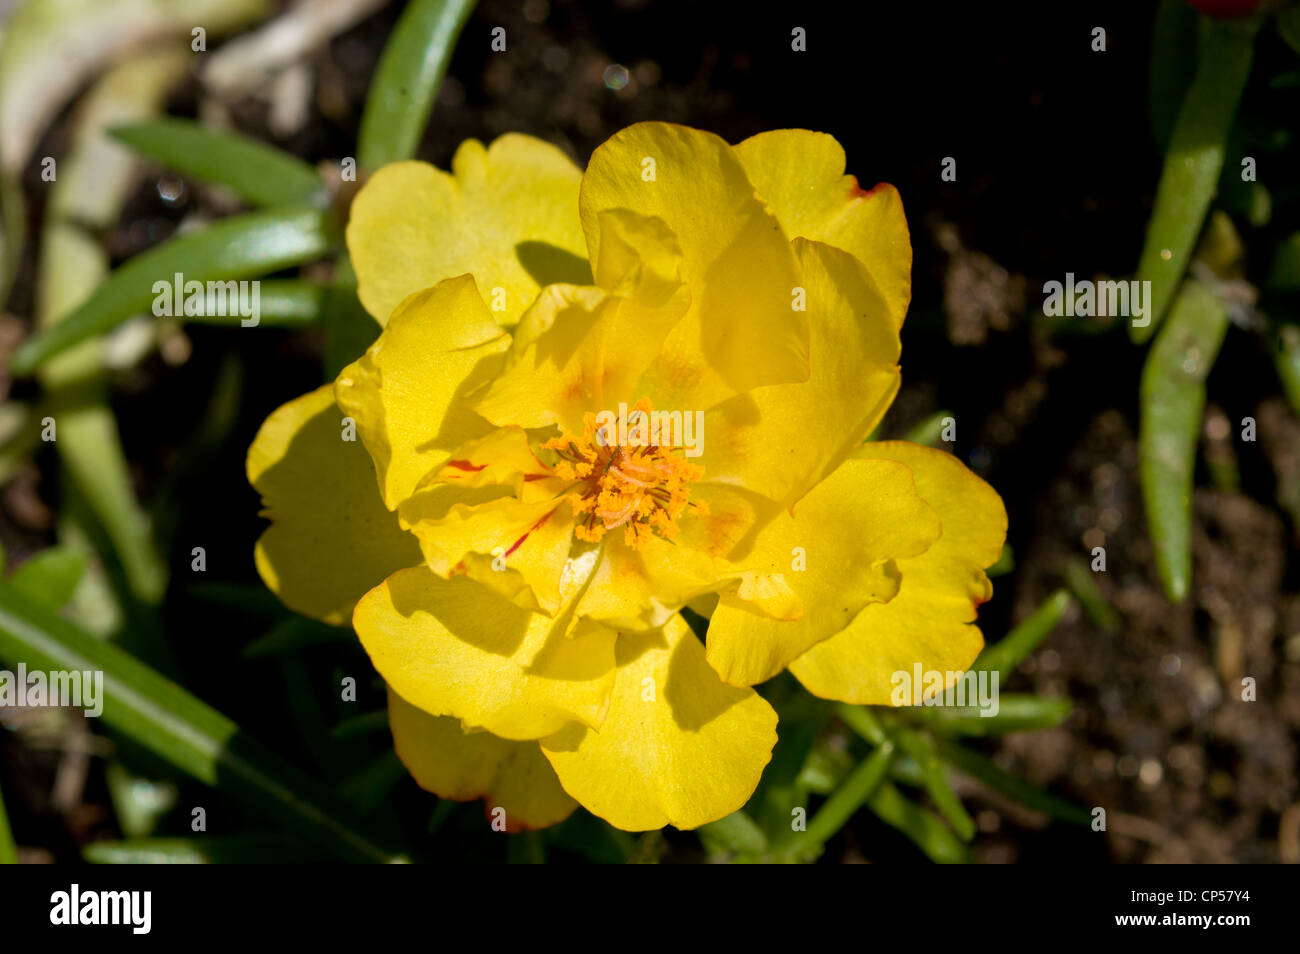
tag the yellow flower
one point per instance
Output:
(600, 397)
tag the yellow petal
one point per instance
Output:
(641, 589)
(582, 350)
(741, 330)
(405, 392)
(800, 175)
(518, 548)
(781, 440)
(930, 621)
(330, 539)
(507, 214)
(462, 766)
(840, 550)
(454, 647)
(503, 458)
(677, 746)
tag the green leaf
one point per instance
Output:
(926, 830)
(1173, 64)
(1193, 163)
(51, 576)
(1287, 358)
(407, 78)
(1285, 276)
(358, 725)
(293, 635)
(259, 173)
(1015, 713)
(139, 803)
(736, 833)
(932, 777)
(930, 431)
(174, 725)
(239, 247)
(989, 773)
(349, 328)
(367, 788)
(1288, 27)
(282, 303)
(1006, 654)
(861, 784)
(1080, 578)
(228, 849)
(1173, 399)
(8, 851)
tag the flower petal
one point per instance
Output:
(838, 551)
(455, 647)
(781, 440)
(463, 766)
(405, 393)
(800, 175)
(584, 349)
(677, 746)
(931, 619)
(507, 214)
(518, 548)
(641, 589)
(330, 539)
(741, 330)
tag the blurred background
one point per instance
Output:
(1058, 151)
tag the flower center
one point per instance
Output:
(640, 486)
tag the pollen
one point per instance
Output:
(640, 487)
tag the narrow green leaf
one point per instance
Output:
(367, 788)
(1173, 64)
(138, 802)
(1173, 399)
(926, 830)
(407, 78)
(356, 726)
(1193, 163)
(862, 721)
(583, 834)
(930, 431)
(293, 635)
(1079, 576)
(259, 173)
(932, 777)
(1288, 27)
(217, 850)
(51, 576)
(239, 247)
(1015, 713)
(1287, 358)
(13, 230)
(989, 773)
(1006, 563)
(737, 833)
(282, 303)
(255, 600)
(8, 851)
(836, 811)
(1007, 653)
(349, 328)
(174, 725)
(1285, 274)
